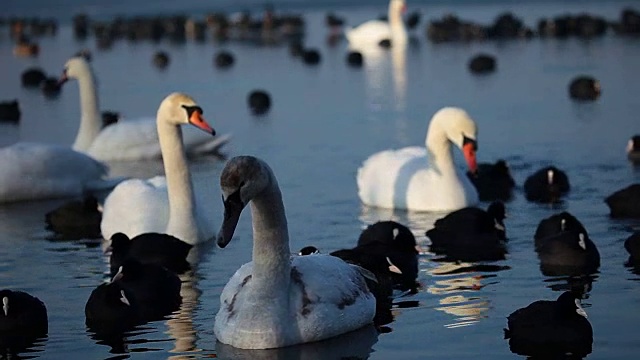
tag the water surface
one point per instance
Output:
(325, 121)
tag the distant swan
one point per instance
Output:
(424, 179)
(372, 32)
(164, 205)
(127, 139)
(278, 300)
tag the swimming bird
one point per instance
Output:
(75, 219)
(569, 253)
(547, 328)
(633, 149)
(556, 224)
(10, 111)
(33, 171)
(134, 139)
(424, 179)
(372, 32)
(32, 77)
(393, 246)
(259, 101)
(585, 88)
(546, 185)
(150, 248)
(632, 245)
(22, 315)
(493, 181)
(111, 308)
(471, 234)
(625, 203)
(155, 289)
(277, 300)
(164, 204)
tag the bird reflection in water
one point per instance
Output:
(181, 326)
(462, 277)
(385, 69)
(579, 285)
(353, 345)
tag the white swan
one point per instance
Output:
(419, 179)
(127, 139)
(277, 300)
(32, 171)
(372, 32)
(165, 205)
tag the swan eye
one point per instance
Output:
(466, 140)
(190, 109)
(233, 200)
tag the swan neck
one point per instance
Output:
(182, 210)
(439, 149)
(90, 124)
(271, 254)
(396, 23)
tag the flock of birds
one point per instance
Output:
(270, 28)
(279, 299)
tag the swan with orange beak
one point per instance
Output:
(424, 178)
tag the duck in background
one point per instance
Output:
(547, 185)
(10, 111)
(633, 149)
(625, 203)
(493, 181)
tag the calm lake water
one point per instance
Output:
(324, 122)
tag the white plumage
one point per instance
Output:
(127, 139)
(32, 171)
(423, 179)
(371, 33)
(164, 204)
(277, 300)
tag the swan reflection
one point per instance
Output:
(181, 326)
(354, 345)
(385, 70)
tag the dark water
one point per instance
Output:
(324, 123)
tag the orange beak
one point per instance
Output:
(198, 121)
(469, 152)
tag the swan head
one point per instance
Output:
(178, 109)
(242, 179)
(74, 68)
(461, 130)
(399, 6)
